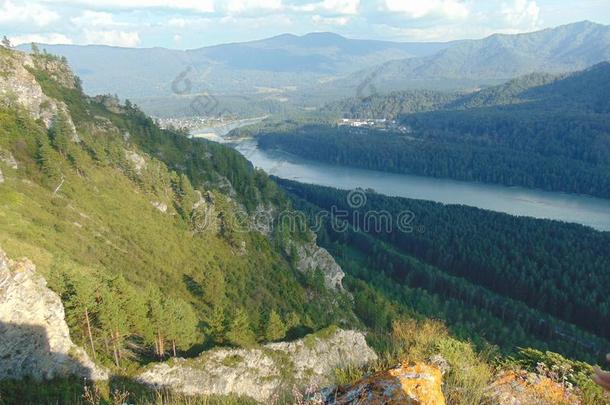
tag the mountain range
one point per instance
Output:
(272, 74)
(498, 58)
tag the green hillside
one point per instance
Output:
(123, 217)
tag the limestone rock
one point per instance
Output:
(161, 206)
(405, 385)
(525, 388)
(139, 163)
(34, 337)
(262, 373)
(311, 257)
(18, 85)
(7, 158)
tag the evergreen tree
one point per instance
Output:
(276, 329)
(181, 326)
(216, 324)
(156, 316)
(240, 332)
(81, 304)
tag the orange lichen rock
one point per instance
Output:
(405, 385)
(523, 388)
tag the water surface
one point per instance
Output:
(586, 210)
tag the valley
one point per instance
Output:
(308, 218)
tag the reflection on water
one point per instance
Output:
(594, 212)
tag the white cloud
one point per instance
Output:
(201, 6)
(243, 6)
(112, 37)
(335, 7)
(521, 14)
(416, 9)
(90, 18)
(51, 38)
(337, 21)
(30, 13)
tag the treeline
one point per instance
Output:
(537, 131)
(451, 157)
(115, 320)
(512, 270)
(391, 105)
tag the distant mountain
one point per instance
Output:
(495, 59)
(268, 69)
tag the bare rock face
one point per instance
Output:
(262, 373)
(312, 257)
(18, 85)
(405, 385)
(34, 337)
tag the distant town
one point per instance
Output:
(194, 123)
(381, 124)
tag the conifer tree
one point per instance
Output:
(240, 332)
(81, 305)
(276, 329)
(181, 326)
(216, 324)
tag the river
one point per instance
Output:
(582, 209)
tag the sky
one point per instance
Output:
(186, 24)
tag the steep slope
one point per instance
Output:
(497, 58)
(138, 229)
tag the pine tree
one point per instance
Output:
(49, 163)
(6, 42)
(59, 134)
(81, 305)
(157, 321)
(240, 332)
(181, 326)
(276, 329)
(216, 324)
(114, 321)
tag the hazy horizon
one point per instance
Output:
(190, 24)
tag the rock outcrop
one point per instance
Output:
(18, 85)
(311, 257)
(405, 385)
(263, 373)
(34, 337)
(524, 388)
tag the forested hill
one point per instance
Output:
(145, 231)
(584, 89)
(512, 281)
(538, 131)
(495, 59)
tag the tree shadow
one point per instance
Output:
(25, 351)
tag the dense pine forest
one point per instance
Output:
(508, 280)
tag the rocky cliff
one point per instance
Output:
(34, 336)
(19, 87)
(311, 257)
(264, 373)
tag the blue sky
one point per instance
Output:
(196, 23)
